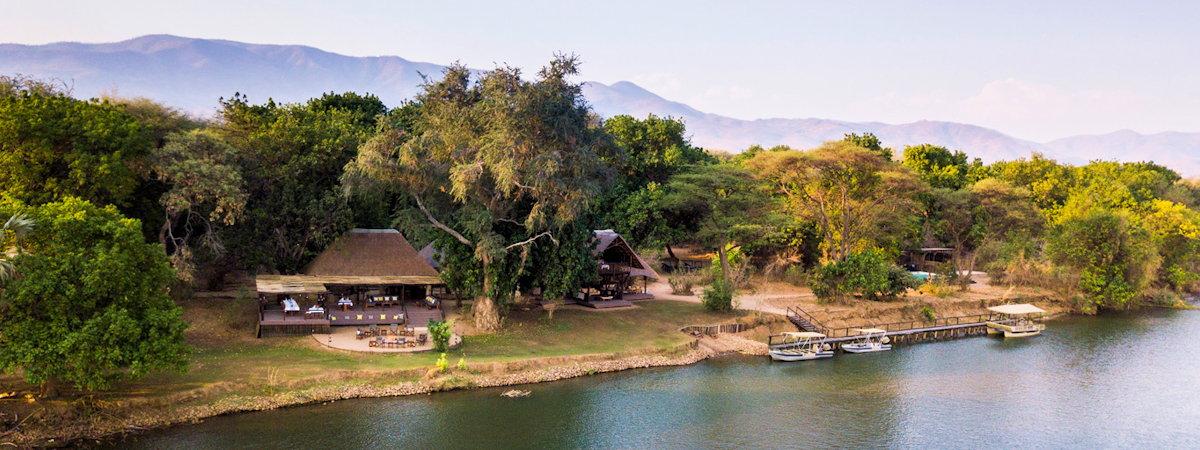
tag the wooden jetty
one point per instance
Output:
(900, 332)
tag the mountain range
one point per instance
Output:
(191, 74)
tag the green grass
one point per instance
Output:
(225, 354)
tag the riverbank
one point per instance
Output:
(233, 372)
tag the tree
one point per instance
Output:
(204, 186)
(496, 166)
(870, 142)
(959, 224)
(849, 192)
(650, 152)
(291, 159)
(53, 146)
(728, 201)
(937, 165)
(90, 305)
(1114, 261)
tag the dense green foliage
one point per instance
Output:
(53, 146)
(499, 165)
(718, 296)
(869, 273)
(439, 333)
(90, 304)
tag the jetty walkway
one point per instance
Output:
(900, 332)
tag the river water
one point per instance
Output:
(1099, 382)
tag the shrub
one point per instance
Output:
(682, 284)
(739, 267)
(718, 296)
(439, 333)
(442, 363)
(795, 275)
(869, 273)
(928, 313)
(937, 289)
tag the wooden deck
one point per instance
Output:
(273, 322)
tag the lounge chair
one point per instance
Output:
(359, 334)
(395, 329)
(422, 338)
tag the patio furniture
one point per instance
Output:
(345, 304)
(379, 341)
(395, 329)
(422, 338)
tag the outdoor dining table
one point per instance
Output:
(345, 303)
(290, 306)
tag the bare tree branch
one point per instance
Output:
(439, 224)
(530, 240)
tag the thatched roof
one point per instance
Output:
(364, 253)
(359, 258)
(609, 239)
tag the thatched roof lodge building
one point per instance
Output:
(623, 274)
(366, 277)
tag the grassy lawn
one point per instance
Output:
(228, 359)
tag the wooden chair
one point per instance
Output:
(422, 338)
(359, 333)
(395, 329)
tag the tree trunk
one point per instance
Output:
(724, 264)
(485, 310)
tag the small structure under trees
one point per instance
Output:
(366, 277)
(622, 274)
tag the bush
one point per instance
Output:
(439, 333)
(928, 313)
(937, 289)
(442, 363)
(718, 296)
(869, 273)
(682, 284)
(795, 275)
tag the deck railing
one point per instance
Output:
(915, 324)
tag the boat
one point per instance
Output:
(1017, 320)
(870, 340)
(800, 346)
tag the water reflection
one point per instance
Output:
(1109, 381)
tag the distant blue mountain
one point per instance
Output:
(191, 74)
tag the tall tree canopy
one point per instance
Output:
(497, 165)
(291, 158)
(53, 146)
(852, 194)
(90, 304)
(937, 165)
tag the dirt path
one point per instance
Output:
(775, 297)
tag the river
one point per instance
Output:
(1097, 382)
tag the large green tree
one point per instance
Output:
(291, 159)
(497, 166)
(853, 195)
(53, 146)
(90, 304)
(729, 203)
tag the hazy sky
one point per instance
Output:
(1037, 69)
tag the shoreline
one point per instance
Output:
(131, 419)
(476, 376)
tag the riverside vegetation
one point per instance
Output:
(117, 210)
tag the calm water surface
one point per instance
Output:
(1113, 381)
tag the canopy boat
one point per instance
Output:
(1018, 320)
(869, 340)
(800, 346)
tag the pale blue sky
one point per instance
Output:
(1035, 69)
